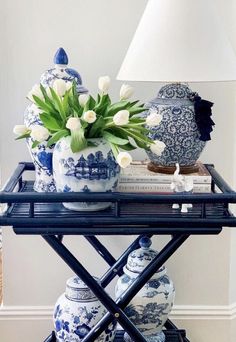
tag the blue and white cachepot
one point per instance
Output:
(178, 128)
(94, 169)
(150, 308)
(42, 155)
(77, 311)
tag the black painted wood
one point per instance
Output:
(38, 213)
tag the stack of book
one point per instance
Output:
(137, 178)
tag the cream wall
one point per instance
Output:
(96, 35)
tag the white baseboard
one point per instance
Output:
(179, 312)
(205, 312)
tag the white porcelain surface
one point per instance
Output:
(150, 308)
(94, 169)
(77, 311)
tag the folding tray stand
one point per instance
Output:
(42, 214)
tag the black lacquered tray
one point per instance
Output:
(171, 336)
(129, 213)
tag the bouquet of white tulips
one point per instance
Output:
(64, 113)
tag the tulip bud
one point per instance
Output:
(121, 118)
(83, 99)
(104, 84)
(20, 129)
(90, 116)
(157, 147)
(60, 87)
(153, 119)
(35, 91)
(124, 159)
(68, 85)
(39, 133)
(73, 124)
(126, 92)
(49, 94)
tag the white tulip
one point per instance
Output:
(124, 159)
(126, 92)
(121, 118)
(20, 129)
(73, 124)
(49, 94)
(157, 147)
(104, 84)
(68, 85)
(35, 91)
(90, 116)
(39, 133)
(60, 87)
(153, 119)
(83, 99)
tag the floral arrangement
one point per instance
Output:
(64, 113)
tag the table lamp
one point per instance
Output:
(179, 41)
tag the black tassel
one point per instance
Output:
(203, 115)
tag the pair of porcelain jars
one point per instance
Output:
(57, 168)
(78, 310)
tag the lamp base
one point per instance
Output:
(171, 169)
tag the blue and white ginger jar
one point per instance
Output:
(42, 155)
(150, 308)
(93, 169)
(77, 311)
(178, 128)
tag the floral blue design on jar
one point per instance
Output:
(178, 128)
(150, 308)
(76, 314)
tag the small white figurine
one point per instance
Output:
(181, 184)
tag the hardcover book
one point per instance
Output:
(158, 187)
(137, 172)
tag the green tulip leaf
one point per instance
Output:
(114, 139)
(50, 122)
(57, 136)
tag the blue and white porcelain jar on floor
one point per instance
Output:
(94, 169)
(77, 311)
(42, 154)
(150, 308)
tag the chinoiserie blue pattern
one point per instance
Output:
(77, 311)
(178, 128)
(91, 170)
(150, 308)
(42, 155)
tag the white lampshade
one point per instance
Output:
(179, 40)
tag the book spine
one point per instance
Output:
(162, 179)
(165, 188)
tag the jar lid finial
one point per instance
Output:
(61, 57)
(145, 242)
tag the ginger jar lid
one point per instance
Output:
(62, 71)
(140, 258)
(175, 91)
(77, 290)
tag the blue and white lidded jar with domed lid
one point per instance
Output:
(42, 154)
(184, 129)
(77, 311)
(150, 308)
